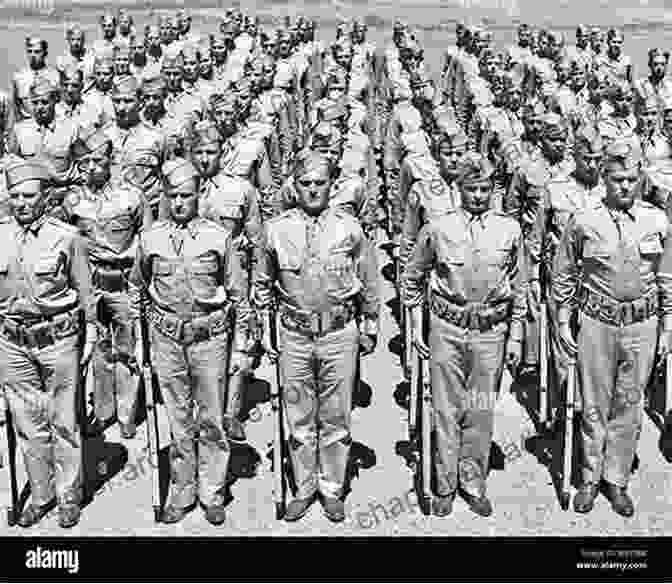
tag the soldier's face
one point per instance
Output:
(184, 24)
(72, 89)
(284, 48)
(658, 66)
(219, 51)
(154, 103)
(255, 75)
(104, 76)
(578, 79)
(533, 127)
(173, 77)
(514, 98)
(336, 91)
(27, 201)
(122, 65)
(615, 47)
(109, 30)
(225, 119)
(596, 42)
(138, 52)
(449, 157)
(524, 37)
(667, 124)
(183, 202)
(268, 46)
(153, 38)
(44, 108)
(95, 168)
(646, 120)
(476, 196)
(622, 105)
(312, 189)
(343, 57)
(205, 66)
(554, 147)
(562, 72)
(581, 40)
(76, 42)
(621, 182)
(358, 35)
(124, 24)
(588, 166)
(36, 54)
(167, 32)
(191, 69)
(268, 76)
(205, 158)
(126, 108)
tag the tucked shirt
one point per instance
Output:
(44, 271)
(470, 259)
(316, 263)
(622, 255)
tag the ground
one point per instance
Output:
(520, 486)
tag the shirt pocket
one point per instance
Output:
(341, 270)
(47, 274)
(163, 268)
(204, 270)
(596, 250)
(650, 245)
(289, 259)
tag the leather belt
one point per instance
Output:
(610, 311)
(44, 333)
(316, 324)
(110, 279)
(195, 330)
(472, 316)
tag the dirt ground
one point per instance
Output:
(520, 485)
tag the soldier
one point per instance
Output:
(193, 284)
(138, 57)
(36, 51)
(657, 83)
(615, 65)
(521, 53)
(580, 52)
(72, 106)
(653, 144)
(109, 215)
(168, 32)
(78, 55)
(477, 291)
(97, 96)
(154, 48)
(135, 145)
(183, 23)
(596, 40)
(122, 60)
(220, 46)
(623, 246)
(45, 285)
(126, 30)
(205, 65)
(187, 107)
(108, 27)
(620, 122)
(322, 269)
(46, 136)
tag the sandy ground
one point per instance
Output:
(380, 503)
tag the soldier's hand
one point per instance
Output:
(567, 339)
(367, 344)
(665, 343)
(270, 349)
(514, 353)
(239, 363)
(89, 344)
(421, 347)
(534, 297)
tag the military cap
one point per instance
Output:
(223, 100)
(554, 126)
(242, 85)
(325, 133)
(307, 160)
(42, 86)
(284, 76)
(330, 110)
(622, 151)
(618, 91)
(448, 129)
(91, 139)
(19, 170)
(415, 143)
(178, 171)
(587, 138)
(205, 132)
(172, 59)
(474, 167)
(582, 29)
(656, 52)
(613, 33)
(153, 84)
(104, 56)
(126, 84)
(74, 28)
(337, 78)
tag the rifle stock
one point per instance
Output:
(13, 510)
(279, 484)
(426, 450)
(668, 384)
(543, 364)
(569, 434)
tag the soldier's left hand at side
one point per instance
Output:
(367, 344)
(665, 343)
(514, 352)
(89, 344)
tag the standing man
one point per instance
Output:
(477, 301)
(192, 284)
(72, 106)
(97, 96)
(45, 284)
(78, 55)
(614, 263)
(321, 269)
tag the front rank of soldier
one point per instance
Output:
(477, 302)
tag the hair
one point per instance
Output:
(653, 53)
(307, 159)
(43, 42)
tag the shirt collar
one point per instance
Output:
(191, 228)
(617, 214)
(34, 227)
(470, 218)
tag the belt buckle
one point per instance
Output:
(171, 327)
(42, 335)
(188, 334)
(610, 313)
(315, 323)
(217, 324)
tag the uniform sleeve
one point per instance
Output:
(265, 273)
(367, 271)
(664, 278)
(519, 284)
(566, 269)
(253, 224)
(411, 227)
(420, 263)
(80, 275)
(236, 282)
(139, 279)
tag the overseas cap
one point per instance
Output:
(18, 170)
(474, 168)
(205, 132)
(126, 84)
(42, 86)
(554, 126)
(90, 140)
(178, 171)
(622, 152)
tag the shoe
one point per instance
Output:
(96, 427)
(443, 506)
(33, 514)
(215, 514)
(68, 515)
(128, 431)
(585, 498)
(172, 514)
(298, 508)
(619, 499)
(334, 509)
(479, 505)
(234, 430)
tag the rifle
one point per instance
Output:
(14, 509)
(668, 385)
(426, 446)
(150, 407)
(543, 344)
(279, 484)
(569, 434)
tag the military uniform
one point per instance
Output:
(194, 284)
(477, 294)
(21, 84)
(45, 282)
(325, 274)
(624, 258)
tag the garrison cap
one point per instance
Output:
(449, 130)
(588, 139)
(307, 160)
(624, 152)
(42, 86)
(178, 171)
(205, 132)
(474, 167)
(126, 84)
(153, 84)
(19, 170)
(223, 101)
(90, 140)
(554, 126)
